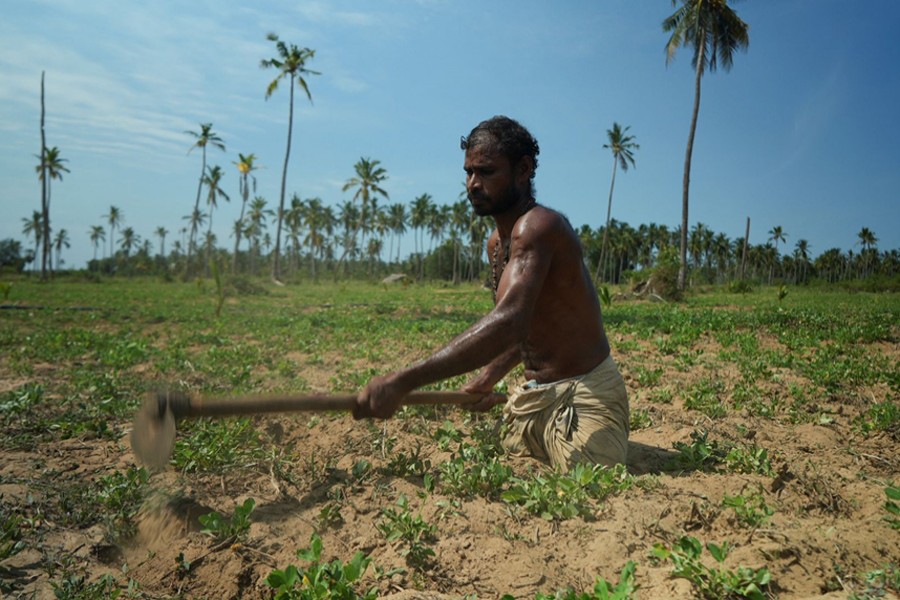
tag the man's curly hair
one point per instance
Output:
(506, 136)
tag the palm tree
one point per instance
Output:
(622, 146)
(801, 254)
(777, 234)
(130, 240)
(97, 234)
(34, 227)
(291, 63)
(204, 138)
(114, 219)
(51, 164)
(256, 224)
(418, 219)
(213, 180)
(367, 183)
(867, 240)
(397, 223)
(714, 31)
(59, 240)
(245, 166)
(161, 233)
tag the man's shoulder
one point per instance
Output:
(548, 219)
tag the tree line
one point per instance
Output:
(349, 240)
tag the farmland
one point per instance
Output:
(762, 459)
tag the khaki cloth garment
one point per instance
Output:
(582, 419)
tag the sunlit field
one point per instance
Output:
(763, 459)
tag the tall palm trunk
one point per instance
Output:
(276, 267)
(612, 185)
(686, 184)
(45, 192)
(193, 238)
(237, 231)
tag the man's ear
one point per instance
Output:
(524, 169)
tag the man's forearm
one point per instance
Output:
(489, 340)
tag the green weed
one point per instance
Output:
(410, 530)
(236, 528)
(751, 459)
(880, 417)
(557, 496)
(701, 454)
(603, 590)
(218, 444)
(122, 494)
(750, 508)
(878, 583)
(321, 581)
(713, 583)
(705, 396)
(639, 419)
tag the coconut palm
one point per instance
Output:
(777, 234)
(97, 235)
(114, 219)
(418, 220)
(367, 183)
(205, 137)
(60, 240)
(867, 240)
(291, 63)
(161, 233)
(397, 223)
(245, 166)
(801, 255)
(34, 227)
(714, 31)
(256, 225)
(213, 180)
(130, 240)
(622, 147)
(51, 166)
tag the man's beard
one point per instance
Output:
(488, 207)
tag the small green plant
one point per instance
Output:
(220, 288)
(605, 296)
(122, 493)
(713, 583)
(74, 586)
(701, 454)
(640, 419)
(881, 416)
(557, 496)
(782, 293)
(236, 528)
(321, 581)
(408, 465)
(647, 377)
(415, 534)
(11, 542)
(893, 496)
(6, 289)
(750, 508)
(878, 583)
(705, 397)
(752, 459)
(603, 590)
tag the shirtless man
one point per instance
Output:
(546, 315)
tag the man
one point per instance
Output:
(546, 315)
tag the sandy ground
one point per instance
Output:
(827, 492)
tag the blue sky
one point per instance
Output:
(802, 133)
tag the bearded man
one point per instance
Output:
(546, 315)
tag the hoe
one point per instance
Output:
(153, 434)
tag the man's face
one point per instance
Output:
(490, 181)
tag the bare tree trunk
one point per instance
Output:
(612, 184)
(45, 205)
(744, 250)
